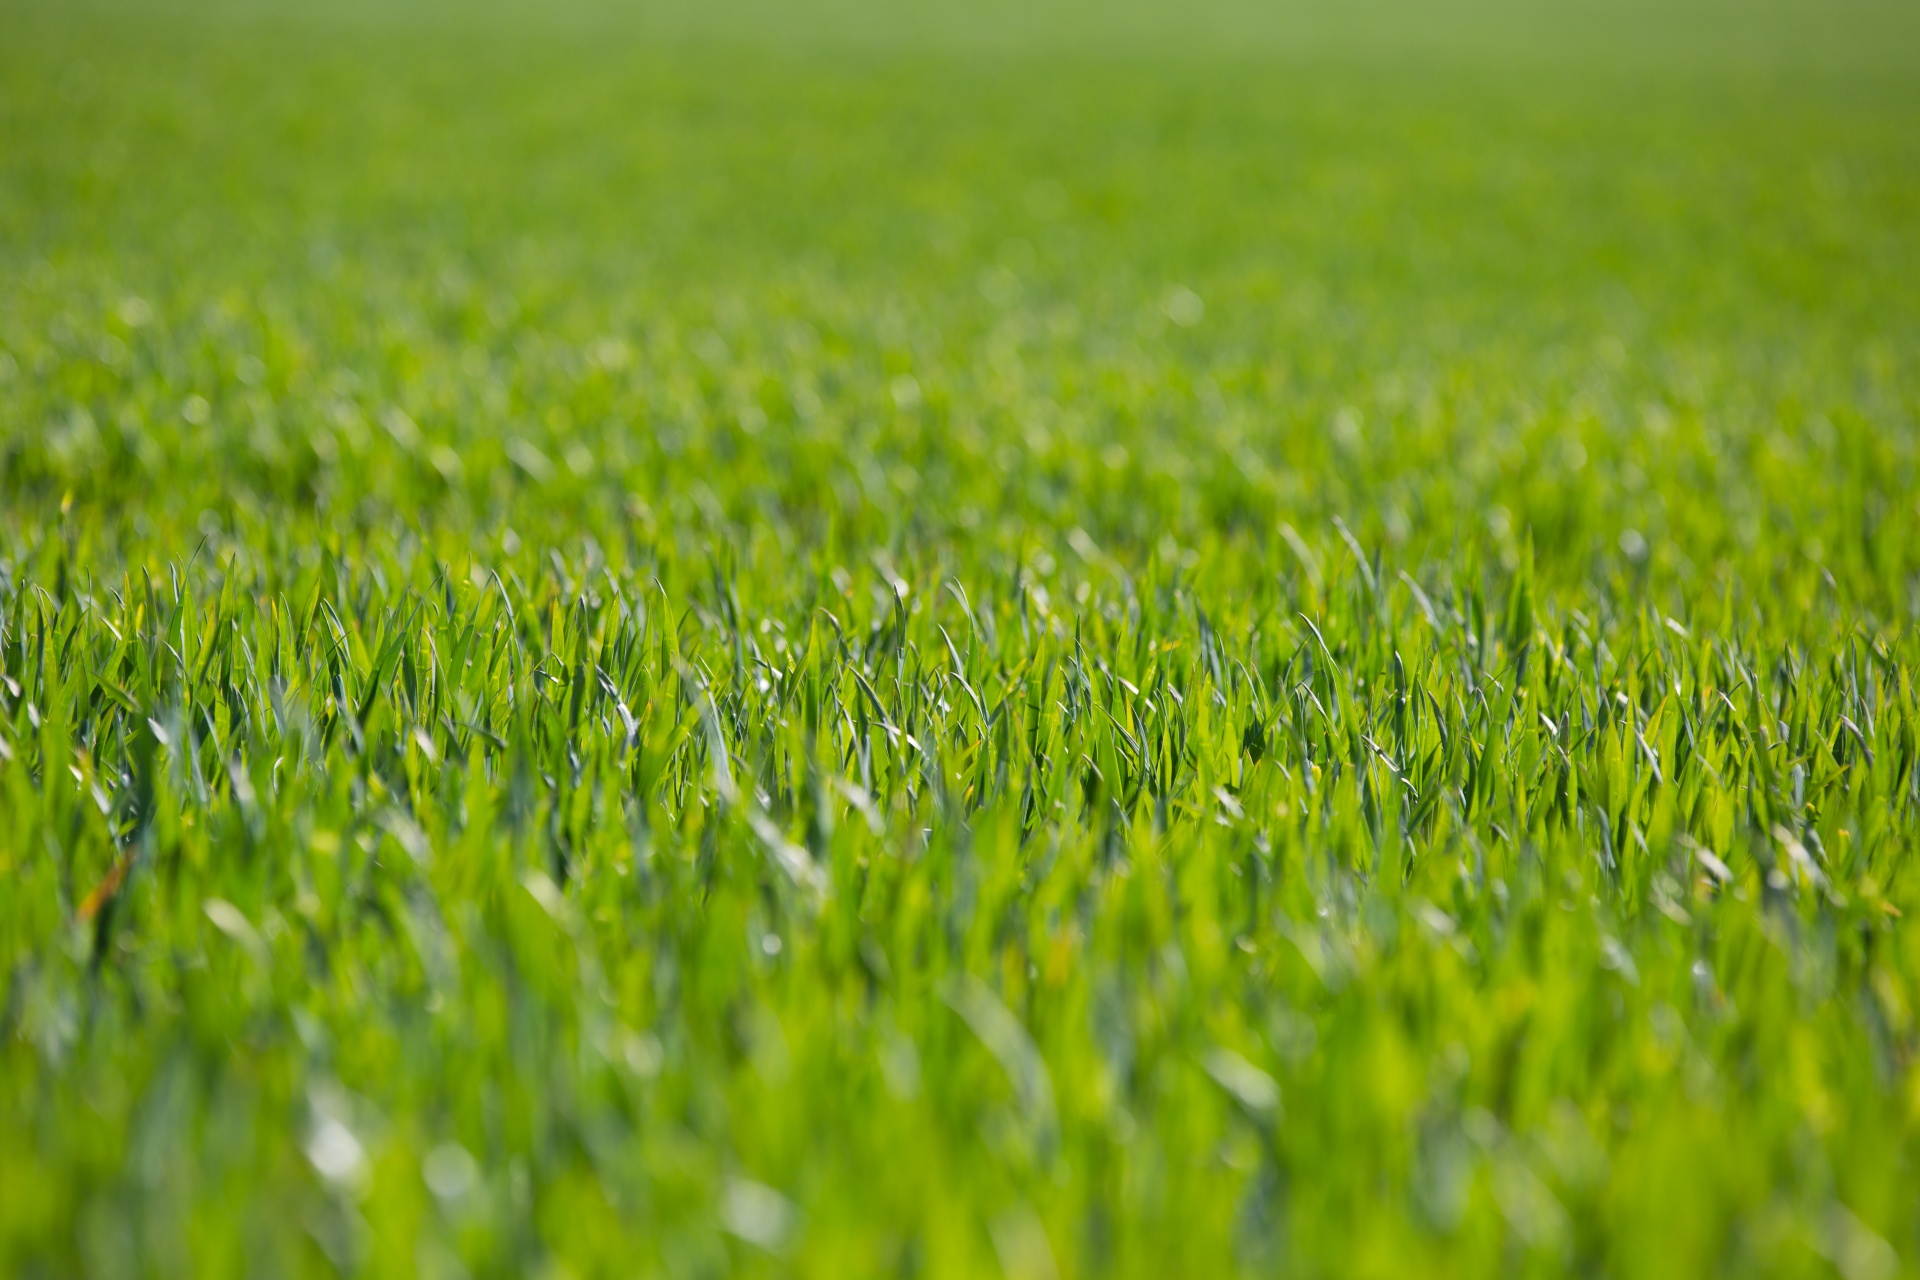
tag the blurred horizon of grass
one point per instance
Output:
(385, 95)
(1854, 38)
(1543, 218)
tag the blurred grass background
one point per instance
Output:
(1514, 212)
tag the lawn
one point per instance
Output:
(1041, 640)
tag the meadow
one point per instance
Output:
(1050, 641)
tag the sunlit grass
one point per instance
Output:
(896, 649)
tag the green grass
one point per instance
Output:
(1051, 641)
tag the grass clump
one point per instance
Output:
(681, 645)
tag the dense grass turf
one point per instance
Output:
(1076, 643)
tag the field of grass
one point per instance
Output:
(1055, 642)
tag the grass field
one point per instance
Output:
(1058, 641)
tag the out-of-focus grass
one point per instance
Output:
(877, 640)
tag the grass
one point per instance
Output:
(1058, 644)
